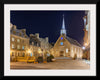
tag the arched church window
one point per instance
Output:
(61, 38)
(61, 43)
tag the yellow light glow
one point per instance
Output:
(85, 44)
(39, 50)
(10, 52)
(29, 51)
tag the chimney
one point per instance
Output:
(14, 26)
(47, 39)
(37, 35)
(11, 25)
(31, 35)
(23, 30)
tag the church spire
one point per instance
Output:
(63, 24)
(63, 30)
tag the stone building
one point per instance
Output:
(44, 43)
(40, 46)
(19, 42)
(34, 40)
(66, 46)
(86, 38)
(22, 46)
(35, 47)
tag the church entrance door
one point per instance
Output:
(61, 53)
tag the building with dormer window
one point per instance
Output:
(19, 42)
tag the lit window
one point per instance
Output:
(12, 53)
(31, 54)
(18, 40)
(87, 27)
(61, 38)
(75, 49)
(23, 47)
(18, 46)
(13, 39)
(72, 49)
(67, 50)
(12, 46)
(61, 43)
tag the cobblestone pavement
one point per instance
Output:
(58, 64)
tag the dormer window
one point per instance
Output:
(14, 32)
(25, 36)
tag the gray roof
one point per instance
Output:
(72, 41)
(17, 33)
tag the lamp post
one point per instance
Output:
(29, 51)
(83, 47)
(85, 44)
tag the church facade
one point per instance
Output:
(66, 46)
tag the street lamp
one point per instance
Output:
(83, 48)
(85, 44)
(39, 51)
(29, 51)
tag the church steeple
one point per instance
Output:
(63, 24)
(63, 30)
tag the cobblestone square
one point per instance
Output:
(58, 64)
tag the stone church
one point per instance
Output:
(66, 46)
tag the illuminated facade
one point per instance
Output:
(86, 38)
(86, 29)
(66, 46)
(22, 46)
(39, 45)
(19, 42)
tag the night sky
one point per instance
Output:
(49, 23)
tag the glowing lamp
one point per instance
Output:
(39, 50)
(29, 51)
(83, 47)
(85, 44)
